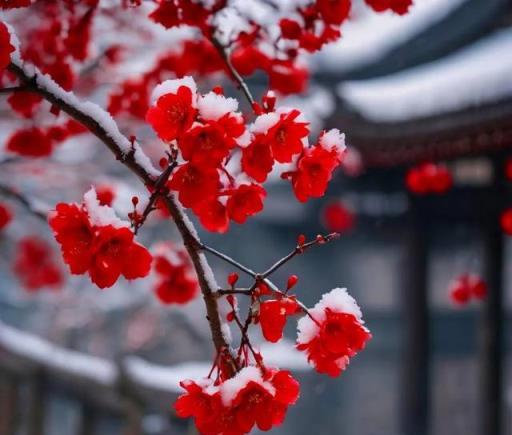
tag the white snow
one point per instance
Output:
(244, 139)
(265, 122)
(172, 86)
(317, 105)
(44, 352)
(477, 74)
(332, 138)
(166, 378)
(283, 354)
(337, 300)
(230, 388)
(15, 42)
(101, 215)
(168, 251)
(369, 36)
(213, 106)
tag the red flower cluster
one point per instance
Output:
(466, 287)
(6, 48)
(5, 216)
(236, 405)
(316, 165)
(338, 218)
(176, 282)
(429, 178)
(94, 240)
(35, 266)
(273, 314)
(197, 57)
(58, 42)
(400, 7)
(334, 332)
(185, 12)
(211, 137)
(40, 142)
(307, 27)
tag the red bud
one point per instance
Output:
(301, 239)
(263, 288)
(219, 90)
(231, 300)
(232, 279)
(292, 280)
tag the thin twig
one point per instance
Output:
(235, 291)
(299, 250)
(224, 53)
(158, 191)
(229, 260)
(12, 89)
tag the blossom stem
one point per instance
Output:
(159, 190)
(229, 260)
(299, 250)
(12, 89)
(223, 51)
(236, 291)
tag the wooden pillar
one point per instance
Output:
(415, 388)
(133, 408)
(9, 404)
(87, 420)
(492, 319)
(36, 404)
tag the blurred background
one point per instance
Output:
(435, 85)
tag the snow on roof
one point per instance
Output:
(369, 36)
(42, 351)
(105, 372)
(480, 73)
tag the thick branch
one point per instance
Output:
(184, 226)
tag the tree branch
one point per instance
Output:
(18, 197)
(298, 250)
(63, 100)
(223, 51)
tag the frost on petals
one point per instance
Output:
(236, 405)
(173, 113)
(336, 334)
(93, 240)
(316, 165)
(223, 162)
